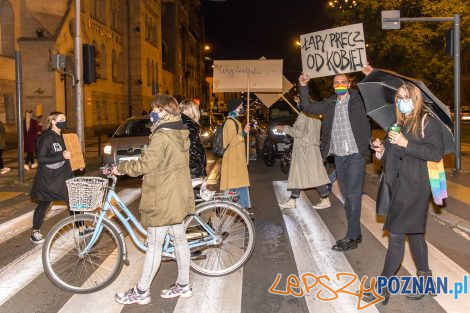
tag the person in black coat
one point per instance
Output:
(405, 156)
(54, 169)
(190, 115)
(345, 134)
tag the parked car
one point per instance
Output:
(269, 142)
(128, 141)
(208, 123)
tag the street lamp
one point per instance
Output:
(391, 20)
(207, 47)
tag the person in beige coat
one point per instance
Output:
(306, 169)
(234, 173)
(167, 198)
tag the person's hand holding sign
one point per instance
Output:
(303, 79)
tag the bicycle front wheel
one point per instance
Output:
(87, 273)
(234, 231)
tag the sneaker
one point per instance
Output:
(131, 296)
(323, 204)
(26, 167)
(34, 165)
(4, 170)
(37, 237)
(86, 231)
(176, 290)
(289, 204)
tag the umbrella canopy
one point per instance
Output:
(378, 90)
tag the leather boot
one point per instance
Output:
(425, 275)
(369, 296)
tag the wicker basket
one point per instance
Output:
(86, 193)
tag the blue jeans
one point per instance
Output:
(244, 197)
(350, 171)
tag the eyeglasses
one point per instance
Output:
(405, 98)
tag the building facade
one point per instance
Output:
(128, 40)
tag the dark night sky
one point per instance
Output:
(249, 29)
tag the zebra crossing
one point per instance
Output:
(310, 241)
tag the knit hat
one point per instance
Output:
(233, 104)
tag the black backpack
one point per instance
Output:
(218, 139)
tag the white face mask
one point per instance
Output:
(405, 107)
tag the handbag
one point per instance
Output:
(384, 197)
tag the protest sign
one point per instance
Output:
(72, 144)
(237, 75)
(334, 51)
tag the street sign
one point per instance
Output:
(391, 19)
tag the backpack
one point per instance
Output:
(218, 139)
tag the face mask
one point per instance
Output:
(61, 125)
(341, 89)
(241, 111)
(154, 117)
(405, 107)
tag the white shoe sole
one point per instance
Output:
(184, 295)
(36, 242)
(144, 302)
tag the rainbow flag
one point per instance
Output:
(437, 179)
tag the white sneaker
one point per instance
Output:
(176, 290)
(289, 204)
(26, 167)
(34, 165)
(323, 204)
(36, 237)
(4, 170)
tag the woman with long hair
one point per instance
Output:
(405, 158)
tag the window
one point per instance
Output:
(103, 61)
(156, 73)
(146, 27)
(9, 109)
(114, 66)
(7, 29)
(148, 72)
(98, 10)
(152, 69)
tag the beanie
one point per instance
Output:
(233, 104)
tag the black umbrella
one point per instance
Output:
(378, 90)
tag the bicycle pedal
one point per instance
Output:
(126, 262)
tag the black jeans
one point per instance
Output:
(1, 159)
(396, 251)
(322, 191)
(29, 158)
(350, 175)
(39, 213)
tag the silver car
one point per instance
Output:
(128, 141)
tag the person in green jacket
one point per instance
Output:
(167, 198)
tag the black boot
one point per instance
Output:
(369, 296)
(425, 275)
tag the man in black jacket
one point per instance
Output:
(345, 134)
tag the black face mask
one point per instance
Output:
(61, 125)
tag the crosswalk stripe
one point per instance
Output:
(103, 300)
(311, 243)
(23, 270)
(440, 264)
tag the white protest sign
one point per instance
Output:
(270, 98)
(334, 51)
(235, 75)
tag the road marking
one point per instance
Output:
(214, 175)
(6, 195)
(458, 192)
(311, 243)
(104, 298)
(23, 270)
(439, 263)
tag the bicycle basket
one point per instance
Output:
(86, 193)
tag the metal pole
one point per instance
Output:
(19, 120)
(457, 161)
(248, 118)
(129, 99)
(78, 74)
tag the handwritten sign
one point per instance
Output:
(72, 144)
(334, 51)
(237, 75)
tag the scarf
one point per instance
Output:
(168, 118)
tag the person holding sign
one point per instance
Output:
(345, 135)
(234, 173)
(54, 169)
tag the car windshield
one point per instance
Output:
(134, 128)
(204, 120)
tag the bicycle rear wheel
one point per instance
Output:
(90, 272)
(236, 235)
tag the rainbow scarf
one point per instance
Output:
(437, 179)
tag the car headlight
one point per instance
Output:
(276, 132)
(108, 149)
(205, 134)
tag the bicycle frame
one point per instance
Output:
(168, 248)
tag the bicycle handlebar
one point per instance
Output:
(109, 169)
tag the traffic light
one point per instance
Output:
(450, 42)
(89, 66)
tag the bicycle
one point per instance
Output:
(85, 252)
